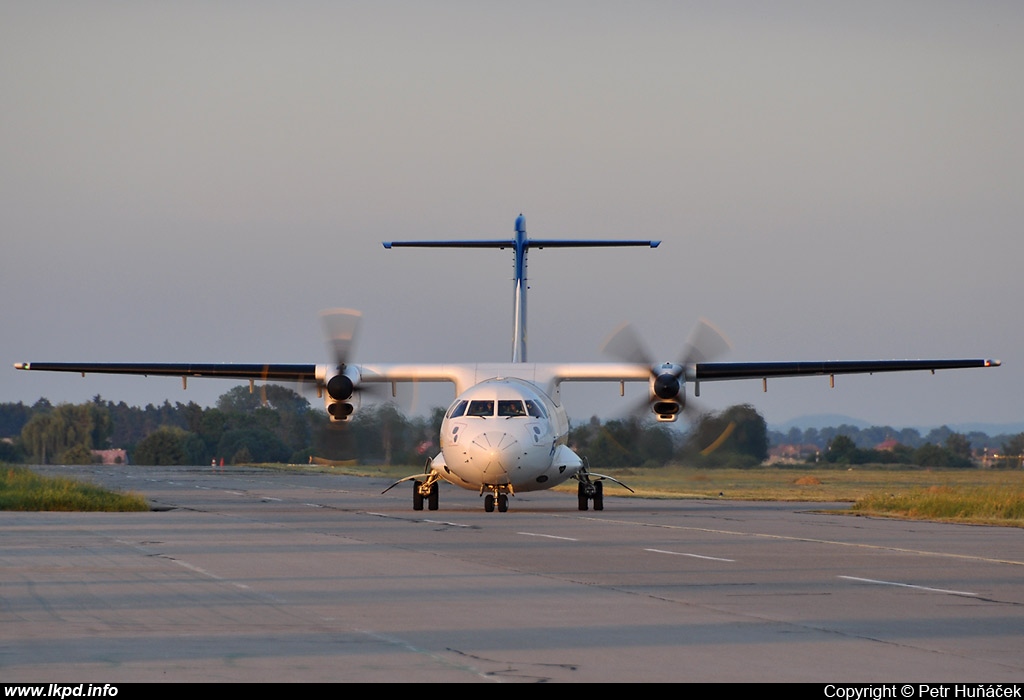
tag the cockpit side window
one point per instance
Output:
(458, 409)
(511, 408)
(536, 409)
(481, 408)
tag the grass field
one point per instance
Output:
(979, 496)
(994, 497)
(23, 489)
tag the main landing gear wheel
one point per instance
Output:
(590, 491)
(489, 503)
(502, 503)
(433, 498)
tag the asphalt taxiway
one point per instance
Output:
(252, 575)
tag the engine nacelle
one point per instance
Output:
(341, 394)
(668, 393)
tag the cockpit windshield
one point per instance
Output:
(507, 408)
(480, 408)
(536, 409)
(458, 409)
(511, 408)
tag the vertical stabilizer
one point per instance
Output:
(520, 245)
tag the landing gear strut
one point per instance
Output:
(591, 488)
(590, 491)
(425, 490)
(497, 496)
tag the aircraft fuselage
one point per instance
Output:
(505, 435)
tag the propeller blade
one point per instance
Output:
(340, 326)
(624, 344)
(705, 343)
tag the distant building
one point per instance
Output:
(791, 453)
(110, 456)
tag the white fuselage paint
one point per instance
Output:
(514, 451)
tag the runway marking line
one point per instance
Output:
(550, 537)
(391, 516)
(688, 554)
(908, 585)
(444, 522)
(815, 540)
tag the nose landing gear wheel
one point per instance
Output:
(501, 500)
(417, 497)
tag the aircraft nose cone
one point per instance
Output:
(494, 453)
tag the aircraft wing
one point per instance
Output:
(266, 372)
(717, 371)
(701, 371)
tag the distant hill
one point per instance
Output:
(819, 421)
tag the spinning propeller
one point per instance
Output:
(343, 386)
(340, 327)
(668, 395)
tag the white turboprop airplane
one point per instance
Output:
(506, 430)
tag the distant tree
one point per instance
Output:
(812, 437)
(13, 417)
(656, 445)
(613, 444)
(165, 446)
(1014, 446)
(51, 433)
(241, 400)
(11, 452)
(938, 436)
(259, 445)
(1012, 451)
(931, 455)
(959, 445)
(738, 436)
(841, 449)
(79, 454)
(909, 437)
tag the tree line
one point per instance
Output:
(940, 447)
(276, 424)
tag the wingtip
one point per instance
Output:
(993, 363)
(386, 244)
(20, 365)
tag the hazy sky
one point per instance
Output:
(193, 182)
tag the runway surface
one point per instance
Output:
(253, 575)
